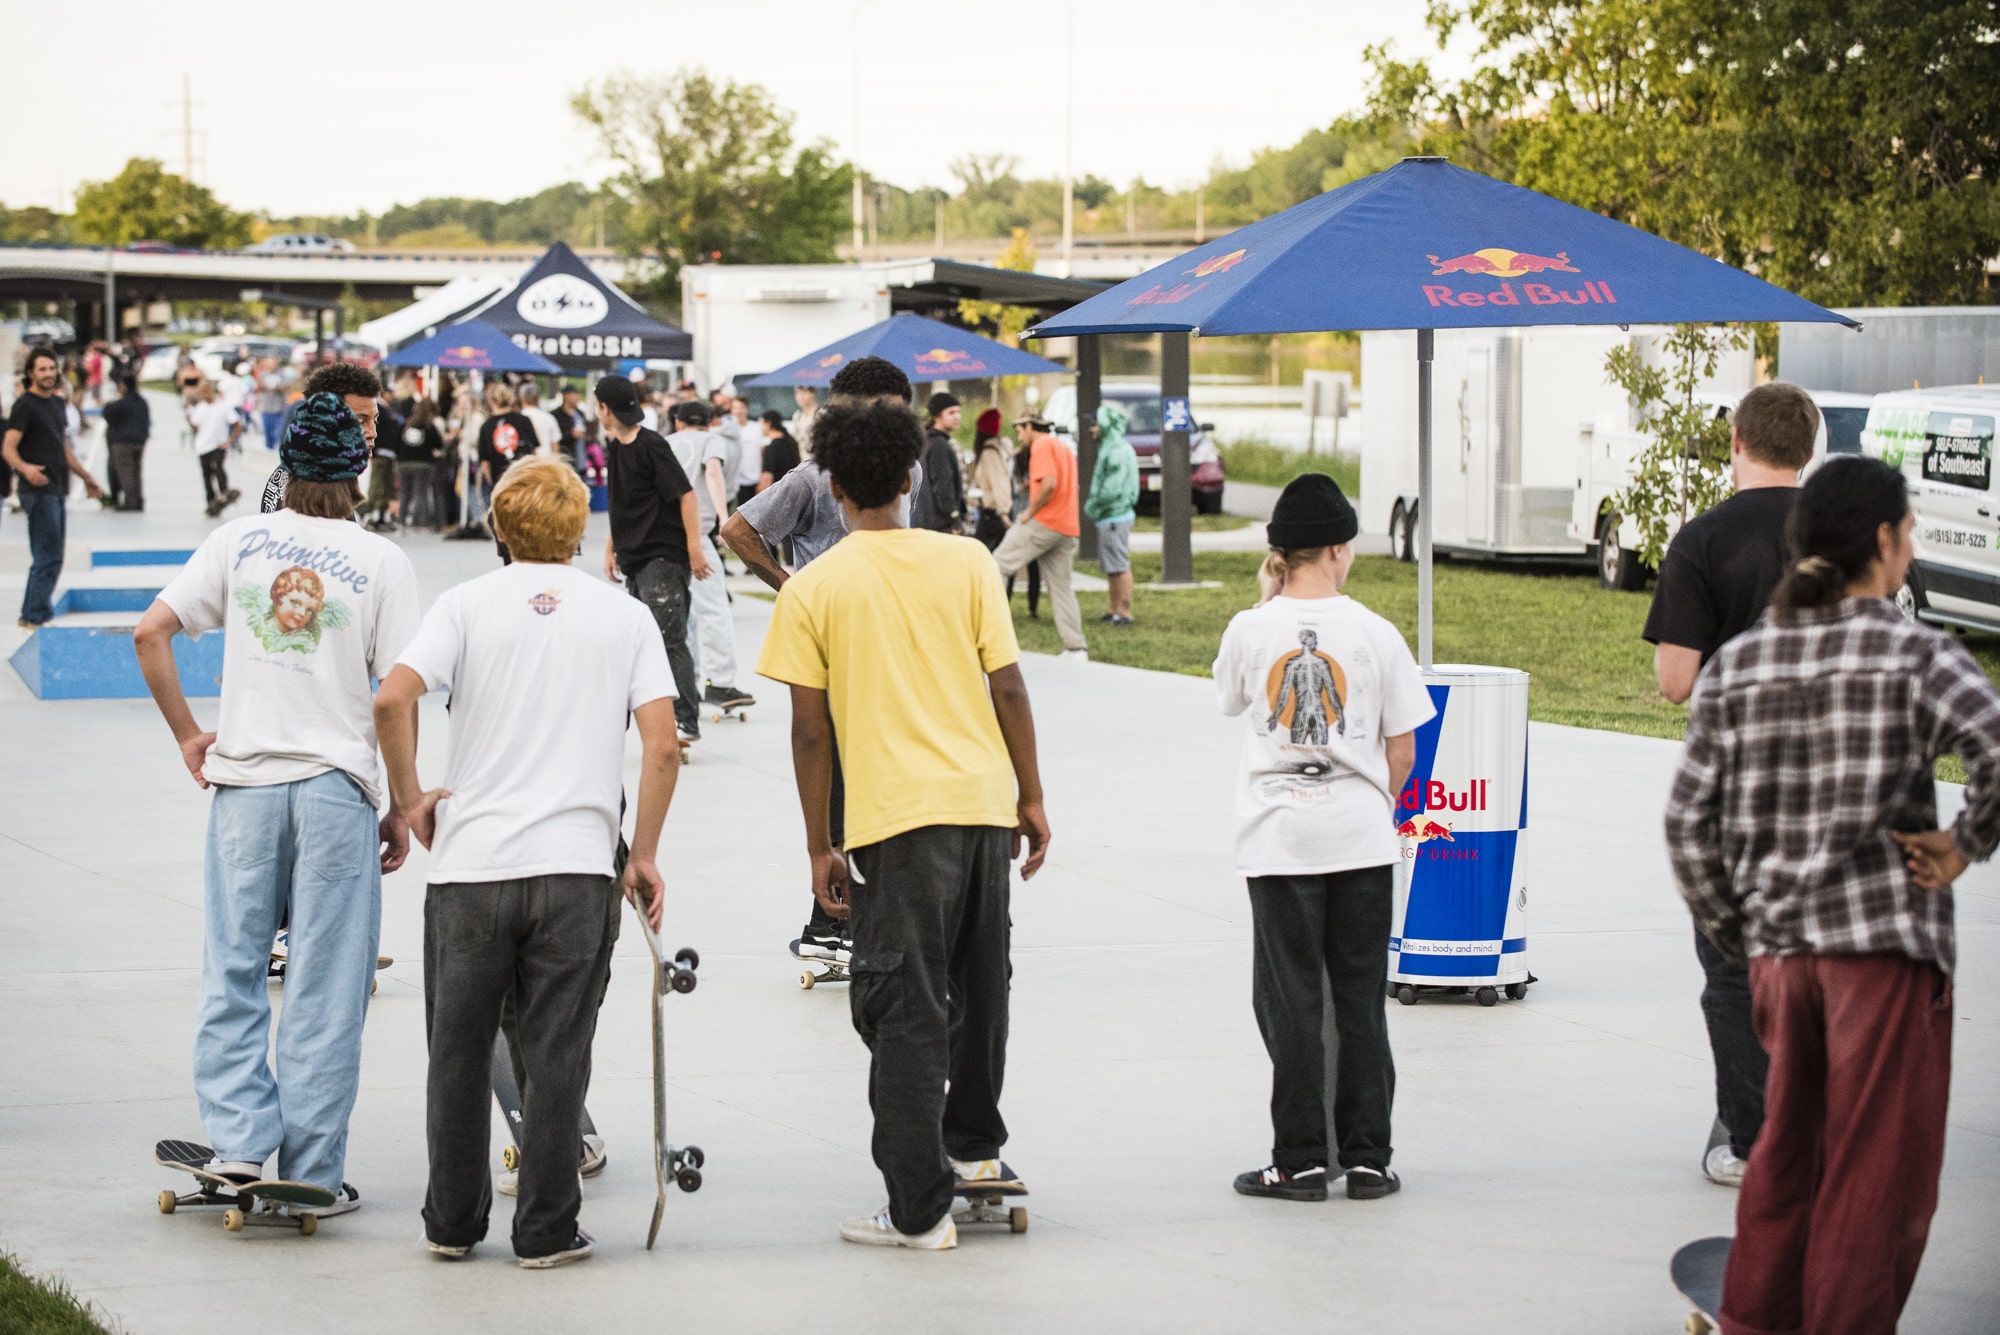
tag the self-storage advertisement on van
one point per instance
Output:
(1955, 447)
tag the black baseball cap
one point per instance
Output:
(622, 398)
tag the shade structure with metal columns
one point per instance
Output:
(1176, 500)
(1089, 393)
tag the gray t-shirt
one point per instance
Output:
(694, 449)
(800, 507)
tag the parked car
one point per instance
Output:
(1142, 409)
(299, 243)
(1942, 439)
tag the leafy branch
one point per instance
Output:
(1683, 469)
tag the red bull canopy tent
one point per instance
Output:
(921, 348)
(1424, 246)
(472, 345)
(563, 311)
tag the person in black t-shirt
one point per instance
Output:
(571, 423)
(1717, 576)
(36, 447)
(505, 435)
(781, 452)
(127, 424)
(655, 535)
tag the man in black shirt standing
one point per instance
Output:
(36, 447)
(1714, 582)
(127, 424)
(939, 505)
(655, 535)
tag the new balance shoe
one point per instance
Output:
(992, 1173)
(1723, 1167)
(1307, 1184)
(578, 1250)
(595, 1156)
(345, 1201)
(1368, 1184)
(878, 1230)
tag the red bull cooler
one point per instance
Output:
(1461, 819)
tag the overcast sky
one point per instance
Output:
(451, 100)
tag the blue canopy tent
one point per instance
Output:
(472, 345)
(1423, 245)
(921, 348)
(564, 311)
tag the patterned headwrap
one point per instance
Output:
(325, 442)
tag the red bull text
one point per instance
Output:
(1498, 262)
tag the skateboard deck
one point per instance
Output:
(818, 970)
(986, 1203)
(261, 1203)
(717, 713)
(507, 1093)
(681, 1165)
(1697, 1270)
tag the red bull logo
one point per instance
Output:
(940, 356)
(465, 356)
(1218, 264)
(831, 359)
(1499, 262)
(1423, 829)
(1420, 797)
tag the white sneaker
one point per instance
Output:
(878, 1230)
(579, 1250)
(1723, 1167)
(992, 1173)
(595, 1156)
(445, 1253)
(345, 1201)
(238, 1171)
(1075, 655)
(509, 1184)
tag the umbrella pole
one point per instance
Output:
(1425, 340)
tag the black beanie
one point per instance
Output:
(1311, 512)
(939, 402)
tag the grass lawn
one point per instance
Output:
(1202, 523)
(1268, 465)
(30, 1305)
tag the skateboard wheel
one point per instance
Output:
(1017, 1219)
(1406, 994)
(1516, 991)
(683, 980)
(167, 1202)
(806, 979)
(232, 1219)
(687, 958)
(308, 1225)
(1697, 1324)
(688, 1179)
(1486, 996)
(510, 1158)
(692, 1156)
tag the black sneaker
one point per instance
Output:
(828, 946)
(1368, 1184)
(727, 697)
(1307, 1184)
(578, 1250)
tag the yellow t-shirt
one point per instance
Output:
(900, 627)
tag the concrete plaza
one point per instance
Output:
(1550, 1147)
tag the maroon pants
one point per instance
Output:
(1836, 1205)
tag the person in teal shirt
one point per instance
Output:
(1112, 505)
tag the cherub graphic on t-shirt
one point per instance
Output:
(292, 612)
(1306, 689)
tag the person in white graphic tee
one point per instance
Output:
(312, 608)
(1333, 700)
(546, 665)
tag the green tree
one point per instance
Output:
(707, 167)
(145, 202)
(33, 223)
(1683, 469)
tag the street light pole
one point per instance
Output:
(854, 145)
(1069, 140)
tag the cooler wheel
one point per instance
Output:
(1516, 991)
(1406, 994)
(1486, 996)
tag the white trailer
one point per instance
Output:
(1515, 414)
(747, 319)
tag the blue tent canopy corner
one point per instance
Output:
(562, 310)
(921, 348)
(471, 345)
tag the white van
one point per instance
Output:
(1942, 439)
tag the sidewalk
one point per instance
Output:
(1550, 1147)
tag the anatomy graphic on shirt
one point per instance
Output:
(1307, 689)
(292, 612)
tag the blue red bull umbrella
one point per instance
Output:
(471, 345)
(922, 349)
(1426, 246)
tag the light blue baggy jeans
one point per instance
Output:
(310, 847)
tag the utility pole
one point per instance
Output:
(1069, 140)
(187, 131)
(854, 145)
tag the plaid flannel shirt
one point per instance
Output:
(1810, 737)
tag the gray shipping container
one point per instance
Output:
(1898, 347)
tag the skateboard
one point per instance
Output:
(739, 712)
(681, 1165)
(818, 970)
(249, 1203)
(278, 962)
(1697, 1270)
(985, 1203)
(507, 1093)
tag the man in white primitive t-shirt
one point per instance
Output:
(1333, 701)
(545, 665)
(312, 608)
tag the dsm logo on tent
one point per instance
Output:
(562, 301)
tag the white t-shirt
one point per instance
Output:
(545, 665)
(312, 610)
(694, 449)
(547, 433)
(211, 423)
(1324, 681)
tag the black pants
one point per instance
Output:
(1740, 1063)
(1034, 587)
(1337, 924)
(549, 940)
(819, 922)
(214, 478)
(929, 999)
(127, 491)
(663, 586)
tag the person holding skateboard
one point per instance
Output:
(799, 509)
(898, 642)
(1802, 827)
(312, 608)
(546, 667)
(1333, 700)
